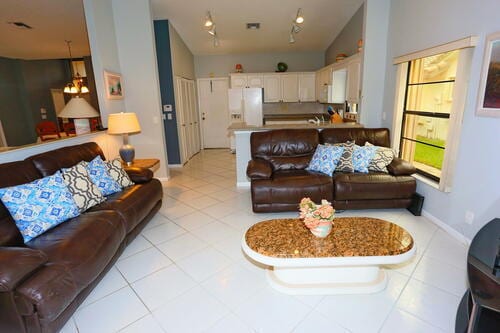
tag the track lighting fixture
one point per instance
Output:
(208, 20)
(291, 40)
(299, 18)
(212, 30)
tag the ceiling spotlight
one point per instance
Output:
(296, 28)
(299, 18)
(212, 30)
(291, 40)
(208, 21)
(216, 41)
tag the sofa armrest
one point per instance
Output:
(16, 264)
(259, 169)
(139, 175)
(400, 167)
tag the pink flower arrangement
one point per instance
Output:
(316, 215)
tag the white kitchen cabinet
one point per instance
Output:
(247, 81)
(289, 87)
(272, 88)
(324, 80)
(255, 81)
(307, 87)
(353, 79)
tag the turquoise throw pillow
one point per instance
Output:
(362, 156)
(325, 159)
(40, 205)
(98, 173)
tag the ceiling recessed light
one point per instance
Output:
(21, 25)
(253, 26)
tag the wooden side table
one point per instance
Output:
(152, 164)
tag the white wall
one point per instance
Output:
(416, 25)
(182, 58)
(222, 65)
(374, 58)
(347, 40)
(102, 39)
(137, 54)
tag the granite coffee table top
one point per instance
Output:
(350, 237)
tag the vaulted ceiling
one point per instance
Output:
(53, 22)
(324, 19)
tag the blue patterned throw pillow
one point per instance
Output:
(362, 156)
(98, 173)
(40, 205)
(325, 159)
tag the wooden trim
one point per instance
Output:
(470, 41)
(455, 122)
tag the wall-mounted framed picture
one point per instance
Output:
(113, 84)
(488, 102)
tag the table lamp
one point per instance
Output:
(124, 123)
(79, 110)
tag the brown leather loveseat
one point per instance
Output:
(279, 179)
(43, 282)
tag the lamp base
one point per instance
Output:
(127, 153)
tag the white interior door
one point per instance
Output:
(194, 115)
(214, 112)
(181, 119)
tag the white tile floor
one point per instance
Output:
(186, 272)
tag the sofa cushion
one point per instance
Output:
(115, 169)
(133, 203)
(40, 205)
(291, 186)
(376, 136)
(383, 157)
(85, 193)
(79, 251)
(362, 156)
(356, 186)
(288, 149)
(325, 159)
(100, 176)
(14, 173)
(49, 162)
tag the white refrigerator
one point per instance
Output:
(245, 105)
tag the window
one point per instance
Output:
(426, 113)
(430, 99)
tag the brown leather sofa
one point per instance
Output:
(44, 281)
(279, 179)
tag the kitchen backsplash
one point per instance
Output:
(293, 108)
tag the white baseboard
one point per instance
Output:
(163, 179)
(243, 184)
(452, 232)
(175, 165)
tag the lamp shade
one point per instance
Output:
(78, 107)
(123, 123)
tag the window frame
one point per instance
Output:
(465, 47)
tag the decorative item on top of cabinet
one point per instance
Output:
(239, 68)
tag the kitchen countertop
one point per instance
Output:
(245, 127)
(287, 116)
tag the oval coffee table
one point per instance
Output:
(345, 262)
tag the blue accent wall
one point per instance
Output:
(166, 77)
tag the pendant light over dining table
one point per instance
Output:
(76, 85)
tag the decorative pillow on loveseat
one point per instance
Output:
(383, 157)
(85, 193)
(116, 171)
(325, 159)
(98, 172)
(362, 156)
(40, 205)
(345, 162)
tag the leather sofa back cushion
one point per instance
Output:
(288, 149)
(11, 174)
(376, 136)
(49, 162)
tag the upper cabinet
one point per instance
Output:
(353, 91)
(307, 87)
(272, 88)
(340, 82)
(289, 87)
(247, 81)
